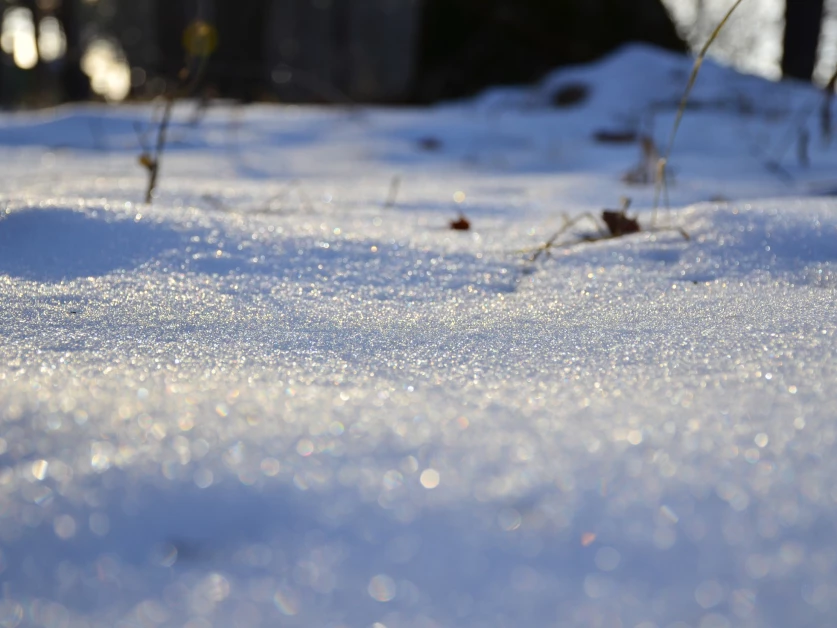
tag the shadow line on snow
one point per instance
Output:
(54, 245)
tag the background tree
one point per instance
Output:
(237, 66)
(37, 93)
(803, 20)
(75, 85)
(171, 22)
(467, 45)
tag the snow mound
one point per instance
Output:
(288, 394)
(640, 78)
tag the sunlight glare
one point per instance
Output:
(109, 74)
(51, 40)
(18, 37)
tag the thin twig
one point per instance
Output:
(291, 186)
(661, 165)
(612, 224)
(142, 137)
(190, 78)
(802, 120)
(825, 110)
(566, 226)
(392, 197)
(154, 164)
(315, 85)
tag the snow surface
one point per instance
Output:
(272, 400)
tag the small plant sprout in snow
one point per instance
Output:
(199, 39)
(645, 171)
(461, 223)
(392, 196)
(613, 223)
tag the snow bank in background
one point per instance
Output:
(638, 77)
(270, 400)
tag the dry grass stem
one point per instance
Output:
(153, 163)
(825, 110)
(392, 197)
(645, 171)
(663, 162)
(611, 224)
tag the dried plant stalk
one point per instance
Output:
(663, 162)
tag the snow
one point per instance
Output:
(271, 400)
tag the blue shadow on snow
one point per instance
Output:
(52, 245)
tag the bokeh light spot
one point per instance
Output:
(430, 478)
(382, 588)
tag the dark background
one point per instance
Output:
(336, 51)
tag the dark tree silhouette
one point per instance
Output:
(39, 71)
(467, 45)
(803, 19)
(171, 22)
(75, 85)
(237, 66)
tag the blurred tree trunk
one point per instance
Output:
(238, 66)
(40, 69)
(170, 25)
(803, 20)
(75, 85)
(467, 45)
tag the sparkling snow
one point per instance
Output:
(271, 399)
